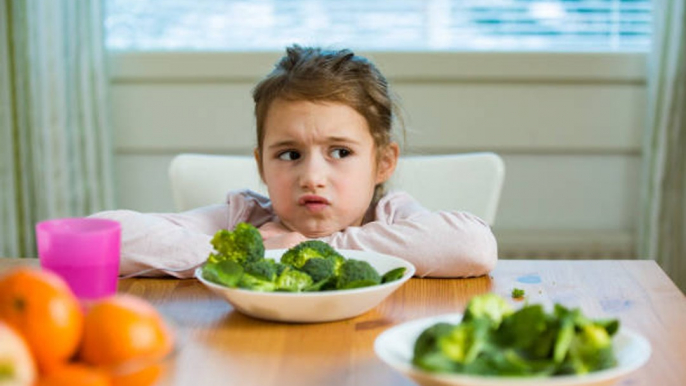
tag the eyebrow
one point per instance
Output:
(291, 143)
(280, 144)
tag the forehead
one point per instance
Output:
(306, 119)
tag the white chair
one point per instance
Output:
(469, 181)
(203, 179)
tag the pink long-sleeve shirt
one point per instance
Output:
(439, 244)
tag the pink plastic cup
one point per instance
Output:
(83, 251)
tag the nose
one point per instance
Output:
(314, 173)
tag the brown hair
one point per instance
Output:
(318, 75)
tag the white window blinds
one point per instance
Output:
(398, 25)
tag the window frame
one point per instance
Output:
(624, 67)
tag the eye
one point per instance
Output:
(289, 155)
(340, 153)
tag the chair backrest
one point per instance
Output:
(203, 179)
(467, 181)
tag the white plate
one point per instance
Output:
(308, 307)
(395, 346)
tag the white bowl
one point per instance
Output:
(308, 307)
(395, 346)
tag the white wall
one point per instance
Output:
(568, 126)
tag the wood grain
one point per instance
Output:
(221, 346)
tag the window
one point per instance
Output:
(398, 25)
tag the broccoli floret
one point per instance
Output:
(265, 268)
(243, 244)
(225, 272)
(590, 350)
(356, 274)
(322, 272)
(566, 330)
(393, 275)
(338, 261)
(256, 283)
(280, 267)
(583, 345)
(427, 354)
(299, 254)
(610, 325)
(464, 342)
(292, 280)
(319, 268)
(528, 328)
(517, 293)
(489, 306)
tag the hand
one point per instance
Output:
(277, 236)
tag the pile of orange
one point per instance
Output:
(96, 345)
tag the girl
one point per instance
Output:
(324, 151)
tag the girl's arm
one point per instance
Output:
(155, 244)
(439, 244)
(175, 243)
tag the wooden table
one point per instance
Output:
(224, 347)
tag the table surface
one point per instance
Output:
(220, 346)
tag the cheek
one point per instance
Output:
(278, 183)
(359, 180)
(279, 195)
(270, 173)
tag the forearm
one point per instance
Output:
(166, 244)
(439, 244)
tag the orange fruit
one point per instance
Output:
(144, 375)
(42, 308)
(74, 374)
(123, 328)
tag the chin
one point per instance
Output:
(315, 234)
(316, 231)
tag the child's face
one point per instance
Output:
(320, 167)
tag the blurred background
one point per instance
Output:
(577, 96)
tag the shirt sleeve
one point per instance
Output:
(438, 244)
(158, 244)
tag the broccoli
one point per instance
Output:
(427, 354)
(464, 342)
(299, 254)
(319, 268)
(256, 283)
(292, 280)
(393, 275)
(322, 271)
(338, 261)
(530, 329)
(567, 319)
(266, 269)
(356, 274)
(494, 340)
(225, 272)
(583, 345)
(238, 261)
(610, 325)
(517, 293)
(489, 306)
(258, 276)
(590, 350)
(243, 244)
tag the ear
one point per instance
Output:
(256, 154)
(388, 160)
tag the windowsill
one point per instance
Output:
(563, 67)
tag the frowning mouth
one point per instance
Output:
(313, 203)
